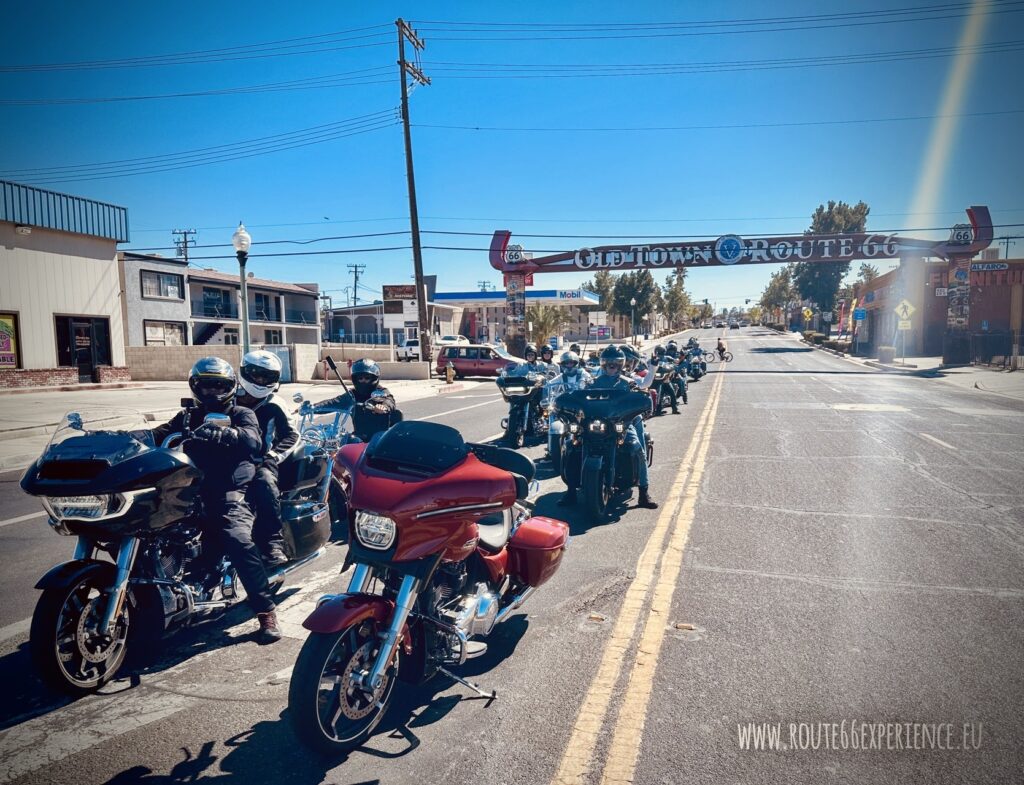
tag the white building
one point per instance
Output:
(60, 309)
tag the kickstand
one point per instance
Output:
(489, 695)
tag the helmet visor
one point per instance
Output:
(213, 387)
(264, 377)
(363, 378)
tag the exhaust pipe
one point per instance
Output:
(279, 573)
(516, 603)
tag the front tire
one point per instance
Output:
(68, 653)
(329, 713)
(595, 494)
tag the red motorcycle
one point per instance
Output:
(444, 548)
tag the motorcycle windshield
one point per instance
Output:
(591, 404)
(112, 435)
(417, 448)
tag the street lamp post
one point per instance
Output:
(632, 319)
(241, 241)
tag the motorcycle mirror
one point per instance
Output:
(186, 403)
(75, 420)
(330, 363)
(297, 398)
(215, 418)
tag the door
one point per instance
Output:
(81, 334)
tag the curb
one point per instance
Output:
(450, 388)
(73, 388)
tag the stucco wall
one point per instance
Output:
(49, 272)
(138, 310)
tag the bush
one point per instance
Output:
(818, 338)
(886, 354)
(809, 336)
(843, 346)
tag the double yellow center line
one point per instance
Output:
(674, 524)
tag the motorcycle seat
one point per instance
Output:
(494, 530)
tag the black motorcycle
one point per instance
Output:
(523, 393)
(666, 390)
(595, 458)
(102, 480)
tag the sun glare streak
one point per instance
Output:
(940, 144)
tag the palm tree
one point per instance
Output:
(547, 320)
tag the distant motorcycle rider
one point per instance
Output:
(572, 377)
(227, 456)
(373, 407)
(547, 356)
(611, 378)
(260, 377)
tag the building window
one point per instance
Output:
(166, 286)
(231, 336)
(10, 345)
(265, 309)
(272, 336)
(165, 333)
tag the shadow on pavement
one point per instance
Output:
(26, 697)
(779, 349)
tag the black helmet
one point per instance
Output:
(659, 351)
(672, 343)
(530, 347)
(213, 382)
(613, 354)
(365, 375)
(630, 352)
(547, 350)
(574, 348)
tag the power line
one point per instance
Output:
(355, 78)
(454, 70)
(823, 23)
(241, 52)
(277, 242)
(905, 10)
(356, 269)
(727, 126)
(183, 240)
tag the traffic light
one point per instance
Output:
(746, 302)
(705, 301)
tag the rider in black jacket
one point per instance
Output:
(226, 455)
(373, 407)
(260, 377)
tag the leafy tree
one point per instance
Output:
(637, 285)
(868, 272)
(755, 313)
(779, 292)
(819, 281)
(602, 284)
(547, 320)
(676, 299)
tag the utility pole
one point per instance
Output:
(356, 270)
(1006, 242)
(182, 240)
(485, 286)
(408, 69)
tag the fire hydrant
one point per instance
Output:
(449, 373)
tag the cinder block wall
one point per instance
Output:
(172, 363)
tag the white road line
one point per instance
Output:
(931, 438)
(15, 630)
(21, 518)
(453, 411)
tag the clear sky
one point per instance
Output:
(714, 128)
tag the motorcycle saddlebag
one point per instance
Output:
(535, 550)
(306, 526)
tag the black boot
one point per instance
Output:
(269, 630)
(568, 498)
(646, 501)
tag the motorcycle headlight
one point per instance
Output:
(620, 427)
(574, 427)
(596, 426)
(84, 508)
(375, 531)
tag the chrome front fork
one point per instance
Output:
(125, 561)
(403, 607)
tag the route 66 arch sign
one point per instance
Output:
(961, 234)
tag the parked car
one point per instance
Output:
(408, 350)
(452, 340)
(734, 325)
(744, 323)
(719, 324)
(475, 360)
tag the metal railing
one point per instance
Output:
(211, 310)
(1000, 349)
(264, 315)
(296, 316)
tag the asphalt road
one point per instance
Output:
(834, 545)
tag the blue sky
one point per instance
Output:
(762, 177)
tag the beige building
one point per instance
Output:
(60, 307)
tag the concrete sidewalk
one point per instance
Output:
(27, 422)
